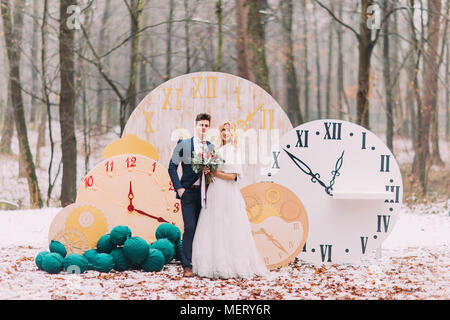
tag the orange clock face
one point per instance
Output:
(135, 191)
(278, 221)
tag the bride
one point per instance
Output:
(223, 245)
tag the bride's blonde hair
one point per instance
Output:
(233, 138)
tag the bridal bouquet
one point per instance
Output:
(206, 158)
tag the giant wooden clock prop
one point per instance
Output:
(168, 113)
(350, 186)
(135, 191)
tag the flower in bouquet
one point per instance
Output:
(206, 158)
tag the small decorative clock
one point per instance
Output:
(278, 221)
(350, 184)
(135, 191)
(168, 113)
(78, 227)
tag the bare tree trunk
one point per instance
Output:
(67, 106)
(329, 69)
(387, 70)
(410, 101)
(290, 76)
(143, 82)
(243, 62)
(306, 72)
(429, 92)
(103, 39)
(13, 37)
(219, 34)
(135, 15)
(447, 93)
(8, 124)
(340, 69)
(259, 71)
(401, 110)
(435, 152)
(318, 75)
(169, 41)
(41, 134)
(187, 15)
(365, 55)
(35, 104)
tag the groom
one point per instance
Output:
(188, 188)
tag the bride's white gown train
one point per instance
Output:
(223, 245)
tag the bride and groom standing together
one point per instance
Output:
(217, 238)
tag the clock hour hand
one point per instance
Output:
(335, 172)
(307, 170)
(243, 124)
(130, 197)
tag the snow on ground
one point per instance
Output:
(414, 264)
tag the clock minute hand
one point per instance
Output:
(159, 219)
(275, 242)
(307, 170)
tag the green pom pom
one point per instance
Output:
(154, 261)
(178, 250)
(52, 262)
(103, 262)
(90, 255)
(39, 258)
(104, 244)
(75, 263)
(57, 247)
(135, 249)
(166, 247)
(168, 231)
(119, 234)
(121, 263)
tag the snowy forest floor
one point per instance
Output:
(414, 262)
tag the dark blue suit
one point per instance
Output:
(191, 199)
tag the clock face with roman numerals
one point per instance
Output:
(350, 185)
(168, 113)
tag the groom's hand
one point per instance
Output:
(180, 192)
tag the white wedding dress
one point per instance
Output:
(223, 245)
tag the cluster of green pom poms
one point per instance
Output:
(117, 250)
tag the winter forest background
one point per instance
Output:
(72, 72)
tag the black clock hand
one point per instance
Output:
(306, 169)
(335, 172)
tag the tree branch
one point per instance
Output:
(331, 13)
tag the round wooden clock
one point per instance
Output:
(135, 191)
(168, 113)
(349, 183)
(79, 226)
(278, 221)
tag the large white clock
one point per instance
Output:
(349, 183)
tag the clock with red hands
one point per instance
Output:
(131, 208)
(136, 191)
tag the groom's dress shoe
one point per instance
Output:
(187, 272)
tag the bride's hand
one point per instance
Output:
(206, 170)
